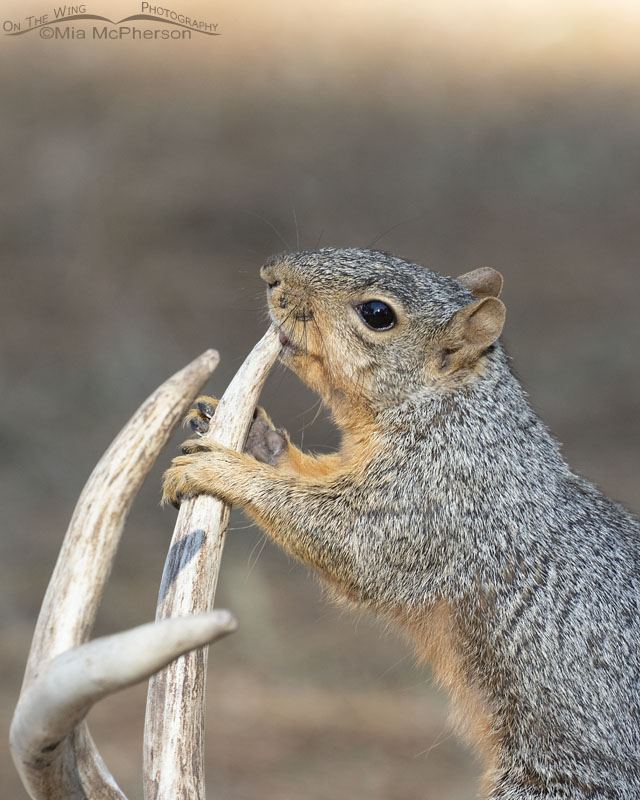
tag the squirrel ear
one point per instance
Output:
(483, 282)
(479, 324)
(470, 332)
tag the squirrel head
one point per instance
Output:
(371, 330)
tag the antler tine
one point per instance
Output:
(174, 727)
(71, 767)
(74, 681)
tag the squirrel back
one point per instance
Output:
(450, 509)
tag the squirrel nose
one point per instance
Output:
(268, 275)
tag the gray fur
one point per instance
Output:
(467, 501)
(473, 501)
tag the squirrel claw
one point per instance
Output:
(198, 426)
(207, 406)
(192, 446)
(200, 415)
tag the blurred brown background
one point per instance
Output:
(143, 183)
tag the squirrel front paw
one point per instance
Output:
(200, 415)
(208, 467)
(177, 485)
(264, 441)
(203, 468)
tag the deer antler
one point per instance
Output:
(51, 745)
(65, 676)
(174, 728)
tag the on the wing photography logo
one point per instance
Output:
(75, 23)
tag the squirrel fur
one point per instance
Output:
(450, 509)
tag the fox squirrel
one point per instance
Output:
(449, 508)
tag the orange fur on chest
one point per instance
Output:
(437, 641)
(357, 451)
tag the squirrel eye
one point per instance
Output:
(376, 315)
